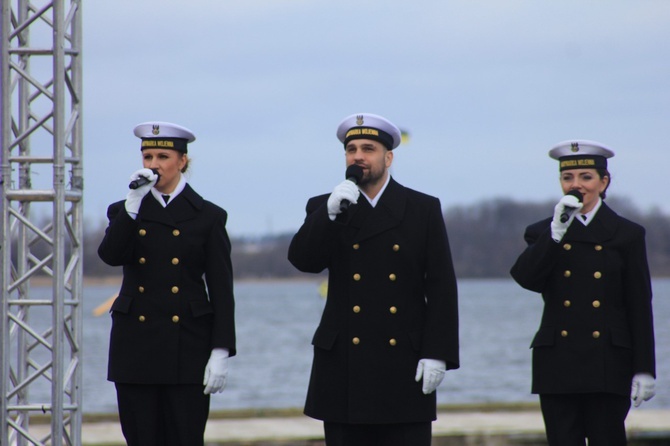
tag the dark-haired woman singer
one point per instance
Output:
(173, 325)
(594, 350)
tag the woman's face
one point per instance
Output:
(168, 163)
(586, 181)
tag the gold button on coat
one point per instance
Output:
(357, 277)
(567, 273)
(143, 232)
(564, 333)
(598, 248)
(175, 261)
(393, 310)
(356, 246)
(175, 289)
(392, 342)
(142, 260)
(567, 246)
(396, 248)
(567, 303)
(176, 232)
(597, 274)
(175, 319)
(355, 341)
(596, 334)
(596, 304)
(140, 289)
(142, 318)
(357, 309)
(392, 277)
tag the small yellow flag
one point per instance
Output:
(404, 136)
(105, 306)
(323, 289)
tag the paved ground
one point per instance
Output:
(471, 427)
(480, 426)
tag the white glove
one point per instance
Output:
(346, 190)
(569, 204)
(135, 196)
(432, 371)
(643, 388)
(216, 371)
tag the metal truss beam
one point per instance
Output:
(42, 183)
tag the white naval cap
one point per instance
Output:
(581, 154)
(164, 135)
(369, 126)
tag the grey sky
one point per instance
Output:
(485, 88)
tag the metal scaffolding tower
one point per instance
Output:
(41, 136)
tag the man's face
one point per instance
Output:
(372, 156)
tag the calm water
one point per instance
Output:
(276, 321)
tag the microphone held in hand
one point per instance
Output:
(569, 210)
(141, 181)
(354, 174)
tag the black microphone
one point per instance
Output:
(354, 174)
(569, 210)
(141, 181)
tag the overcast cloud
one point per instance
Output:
(485, 88)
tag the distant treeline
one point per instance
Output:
(485, 239)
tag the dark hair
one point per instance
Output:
(185, 168)
(604, 173)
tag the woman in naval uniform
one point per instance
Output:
(594, 349)
(173, 325)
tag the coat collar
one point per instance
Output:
(602, 228)
(185, 206)
(369, 221)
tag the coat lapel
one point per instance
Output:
(152, 210)
(606, 222)
(386, 215)
(602, 227)
(184, 207)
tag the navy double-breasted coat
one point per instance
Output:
(392, 300)
(597, 326)
(176, 300)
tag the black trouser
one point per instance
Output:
(162, 415)
(572, 418)
(401, 434)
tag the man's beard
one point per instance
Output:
(372, 177)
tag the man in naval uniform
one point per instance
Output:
(389, 329)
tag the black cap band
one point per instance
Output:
(178, 144)
(582, 162)
(369, 133)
